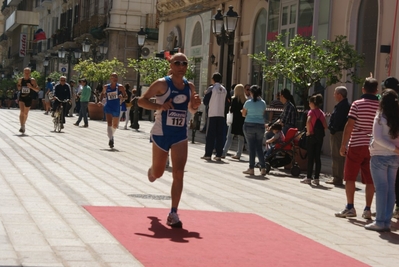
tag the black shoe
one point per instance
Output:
(86, 125)
(76, 124)
(111, 143)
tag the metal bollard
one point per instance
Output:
(195, 124)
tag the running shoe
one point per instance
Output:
(346, 213)
(306, 181)
(111, 143)
(22, 129)
(366, 214)
(174, 221)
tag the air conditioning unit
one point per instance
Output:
(147, 51)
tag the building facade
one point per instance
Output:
(369, 25)
(109, 26)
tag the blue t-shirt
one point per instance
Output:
(255, 111)
(49, 86)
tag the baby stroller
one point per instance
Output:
(283, 153)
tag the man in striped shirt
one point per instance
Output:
(355, 146)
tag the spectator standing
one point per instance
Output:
(336, 125)
(277, 108)
(9, 98)
(73, 98)
(84, 96)
(384, 162)
(315, 125)
(393, 83)
(217, 101)
(254, 128)
(355, 146)
(128, 103)
(40, 96)
(289, 115)
(247, 91)
(235, 129)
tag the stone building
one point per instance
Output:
(109, 26)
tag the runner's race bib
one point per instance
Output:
(176, 118)
(25, 90)
(112, 95)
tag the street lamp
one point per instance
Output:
(45, 65)
(223, 27)
(62, 53)
(102, 49)
(141, 36)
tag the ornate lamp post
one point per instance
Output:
(67, 53)
(99, 54)
(141, 36)
(223, 27)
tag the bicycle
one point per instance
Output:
(59, 115)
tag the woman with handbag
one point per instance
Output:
(315, 126)
(235, 128)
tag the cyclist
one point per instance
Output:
(27, 86)
(62, 92)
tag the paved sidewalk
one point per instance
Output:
(46, 178)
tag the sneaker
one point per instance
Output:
(316, 181)
(249, 171)
(374, 227)
(46, 113)
(306, 181)
(263, 171)
(396, 213)
(366, 214)
(151, 177)
(335, 182)
(174, 221)
(206, 158)
(218, 158)
(346, 213)
(22, 130)
(111, 143)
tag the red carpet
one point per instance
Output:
(213, 239)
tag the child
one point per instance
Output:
(278, 137)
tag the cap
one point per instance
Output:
(392, 83)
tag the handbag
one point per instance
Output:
(302, 141)
(229, 118)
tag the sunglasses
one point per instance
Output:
(180, 63)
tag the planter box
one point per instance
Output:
(96, 111)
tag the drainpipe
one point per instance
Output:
(393, 39)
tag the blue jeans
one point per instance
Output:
(83, 113)
(229, 139)
(254, 135)
(383, 170)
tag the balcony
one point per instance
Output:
(21, 17)
(3, 39)
(166, 7)
(46, 3)
(13, 2)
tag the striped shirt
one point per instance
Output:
(363, 112)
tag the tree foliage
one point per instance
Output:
(99, 72)
(154, 68)
(306, 62)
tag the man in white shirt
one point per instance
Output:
(217, 100)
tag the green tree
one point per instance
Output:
(55, 76)
(154, 68)
(99, 72)
(305, 62)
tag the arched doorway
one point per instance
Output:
(367, 23)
